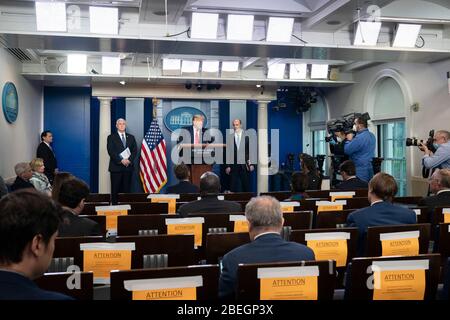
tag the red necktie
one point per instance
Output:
(197, 137)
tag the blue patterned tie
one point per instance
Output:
(123, 140)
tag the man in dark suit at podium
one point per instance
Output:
(122, 151)
(45, 152)
(239, 170)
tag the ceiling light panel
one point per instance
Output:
(240, 27)
(406, 35)
(276, 71)
(298, 71)
(104, 20)
(51, 16)
(367, 33)
(319, 71)
(76, 63)
(190, 66)
(110, 65)
(204, 25)
(279, 29)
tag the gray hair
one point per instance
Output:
(21, 167)
(444, 133)
(120, 119)
(444, 175)
(264, 211)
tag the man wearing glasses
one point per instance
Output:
(441, 158)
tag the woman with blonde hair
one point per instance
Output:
(39, 180)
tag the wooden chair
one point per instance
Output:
(373, 243)
(410, 201)
(352, 243)
(332, 219)
(443, 244)
(89, 208)
(101, 220)
(132, 197)
(58, 282)
(98, 197)
(147, 224)
(218, 244)
(67, 250)
(209, 273)
(161, 250)
(358, 274)
(248, 287)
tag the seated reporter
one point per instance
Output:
(351, 181)
(72, 194)
(209, 202)
(39, 180)
(299, 183)
(265, 221)
(382, 190)
(24, 174)
(28, 228)
(184, 185)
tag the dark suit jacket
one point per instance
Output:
(14, 286)
(72, 225)
(209, 204)
(115, 147)
(45, 153)
(243, 145)
(19, 183)
(266, 248)
(353, 184)
(440, 200)
(380, 214)
(314, 181)
(183, 187)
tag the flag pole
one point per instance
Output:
(155, 103)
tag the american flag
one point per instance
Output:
(153, 162)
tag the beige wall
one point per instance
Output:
(18, 141)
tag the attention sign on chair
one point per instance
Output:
(179, 288)
(289, 206)
(329, 246)
(399, 280)
(101, 258)
(170, 199)
(400, 243)
(342, 195)
(111, 213)
(330, 205)
(288, 283)
(187, 226)
(240, 223)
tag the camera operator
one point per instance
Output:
(441, 157)
(361, 148)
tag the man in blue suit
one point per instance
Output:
(382, 189)
(265, 221)
(361, 149)
(28, 228)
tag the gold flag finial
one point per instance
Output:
(155, 103)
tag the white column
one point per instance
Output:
(263, 148)
(104, 181)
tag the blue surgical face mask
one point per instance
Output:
(436, 145)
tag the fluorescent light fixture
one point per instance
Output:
(51, 16)
(240, 27)
(276, 71)
(280, 29)
(211, 66)
(298, 71)
(122, 82)
(204, 25)
(406, 35)
(104, 20)
(319, 71)
(76, 63)
(171, 64)
(190, 66)
(110, 65)
(367, 33)
(230, 66)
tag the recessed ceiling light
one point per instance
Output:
(333, 22)
(122, 82)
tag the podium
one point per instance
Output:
(196, 151)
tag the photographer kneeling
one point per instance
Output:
(441, 157)
(361, 148)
